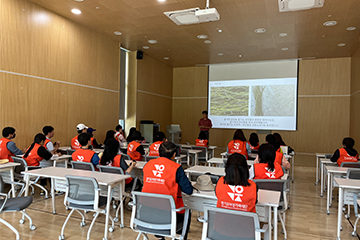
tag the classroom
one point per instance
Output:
(83, 67)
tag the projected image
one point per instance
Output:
(229, 101)
(273, 100)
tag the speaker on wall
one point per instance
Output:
(139, 54)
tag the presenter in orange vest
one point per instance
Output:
(202, 141)
(158, 140)
(7, 147)
(264, 165)
(239, 144)
(135, 150)
(164, 176)
(347, 153)
(81, 128)
(279, 156)
(254, 141)
(49, 145)
(84, 154)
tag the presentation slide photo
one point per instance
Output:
(229, 101)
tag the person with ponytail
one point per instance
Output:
(264, 165)
(254, 141)
(37, 152)
(236, 183)
(279, 156)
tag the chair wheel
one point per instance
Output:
(347, 216)
(321, 195)
(353, 233)
(343, 209)
(32, 193)
(94, 214)
(82, 224)
(111, 229)
(114, 206)
(116, 219)
(328, 212)
(32, 227)
(21, 221)
(341, 228)
(61, 237)
(86, 211)
(67, 208)
(46, 197)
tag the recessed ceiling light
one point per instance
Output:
(351, 28)
(207, 41)
(152, 41)
(145, 47)
(240, 55)
(161, 0)
(329, 15)
(201, 36)
(323, 35)
(219, 30)
(78, 0)
(260, 30)
(330, 23)
(285, 49)
(117, 33)
(97, 8)
(75, 11)
(283, 34)
(166, 58)
(220, 54)
(341, 44)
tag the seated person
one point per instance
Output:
(131, 131)
(7, 147)
(81, 128)
(202, 141)
(109, 135)
(264, 165)
(84, 154)
(135, 150)
(279, 138)
(158, 140)
(236, 181)
(120, 134)
(347, 153)
(49, 145)
(239, 144)
(172, 174)
(254, 141)
(37, 152)
(111, 158)
(280, 157)
(94, 143)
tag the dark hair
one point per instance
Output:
(118, 127)
(160, 136)
(267, 155)
(272, 140)
(47, 130)
(37, 139)
(109, 135)
(236, 170)
(348, 142)
(111, 150)
(167, 149)
(80, 131)
(205, 112)
(202, 135)
(279, 138)
(137, 136)
(7, 131)
(84, 138)
(254, 139)
(129, 138)
(239, 135)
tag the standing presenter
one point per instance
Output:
(205, 124)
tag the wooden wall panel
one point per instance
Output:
(355, 72)
(190, 82)
(355, 98)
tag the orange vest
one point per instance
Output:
(201, 143)
(92, 142)
(4, 151)
(261, 171)
(116, 163)
(254, 148)
(82, 155)
(237, 146)
(154, 148)
(278, 158)
(160, 177)
(131, 151)
(33, 159)
(75, 143)
(345, 157)
(46, 142)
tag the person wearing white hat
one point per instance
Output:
(81, 128)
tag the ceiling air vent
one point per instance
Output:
(298, 5)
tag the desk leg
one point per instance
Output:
(12, 179)
(317, 171)
(66, 163)
(328, 194)
(270, 222)
(341, 197)
(275, 222)
(292, 167)
(213, 152)
(27, 179)
(122, 186)
(321, 179)
(53, 195)
(196, 159)
(108, 212)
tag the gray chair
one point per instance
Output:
(350, 164)
(205, 155)
(18, 204)
(156, 214)
(148, 158)
(352, 174)
(82, 165)
(184, 151)
(127, 157)
(225, 224)
(356, 205)
(83, 194)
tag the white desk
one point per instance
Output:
(212, 148)
(65, 148)
(204, 169)
(219, 162)
(344, 184)
(324, 162)
(104, 179)
(318, 156)
(10, 168)
(196, 155)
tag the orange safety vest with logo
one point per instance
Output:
(46, 142)
(82, 155)
(236, 197)
(154, 148)
(261, 171)
(345, 157)
(278, 157)
(33, 159)
(237, 146)
(131, 151)
(201, 143)
(116, 163)
(160, 177)
(75, 143)
(4, 151)
(254, 148)
(92, 141)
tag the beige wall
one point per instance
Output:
(55, 72)
(355, 99)
(323, 105)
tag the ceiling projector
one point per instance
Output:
(194, 15)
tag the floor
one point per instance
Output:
(306, 220)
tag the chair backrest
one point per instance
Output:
(20, 168)
(285, 149)
(202, 155)
(225, 224)
(328, 156)
(2, 184)
(70, 151)
(353, 174)
(278, 185)
(126, 157)
(82, 165)
(350, 164)
(115, 170)
(148, 158)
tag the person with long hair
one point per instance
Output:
(37, 152)
(202, 141)
(109, 135)
(239, 144)
(279, 139)
(264, 165)
(279, 156)
(254, 141)
(236, 181)
(158, 140)
(131, 132)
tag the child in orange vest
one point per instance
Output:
(347, 153)
(84, 154)
(202, 141)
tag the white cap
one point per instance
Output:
(81, 126)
